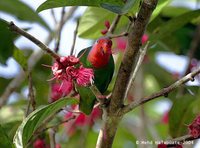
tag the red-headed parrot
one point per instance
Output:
(99, 57)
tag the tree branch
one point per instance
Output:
(20, 31)
(100, 97)
(162, 92)
(75, 36)
(30, 94)
(138, 64)
(131, 54)
(114, 24)
(60, 30)
(33, 59)
(193, 47)
(111, 118)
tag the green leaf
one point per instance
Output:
(119, 9)
(36, 118)
(6, 42)
(159, 8)
(173, 24)
(10, 114)
(4, 140)
(129, 4)
(92, 22)
(182, 113)
(112, 5)
(21, 11)
(171, 11)
(87, 99)
(40, 76)
(19, 56)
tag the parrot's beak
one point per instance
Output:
(106, 47)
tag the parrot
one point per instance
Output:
(99, 58)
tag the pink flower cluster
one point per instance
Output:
(60, 90)
(82, 120)
(69, 69)
(121, 42)
(107, 25)
(165, 117)
(194, 127)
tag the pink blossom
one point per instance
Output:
(84, 76)
(65, 69)
(104, 31)
(197, 120)
(39, 143)
(55, 92)
(107, 24)
(145, 38)
(58, 146)
(73, 60)
(61, 90)
(82, 120)
(69, 60)
(165, 118)
(57, 71)
(71, 72)
(194, 127)
(194, 132)
(121, 44)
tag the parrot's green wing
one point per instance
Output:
(102, 78)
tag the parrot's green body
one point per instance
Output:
(102, 77)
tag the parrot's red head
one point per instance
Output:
(99, 55)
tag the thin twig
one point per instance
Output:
(40, 128)
(56, 125)
(114, 24)
(193, 47)
(142, 53)
(20, 31)
(33, 59)
(191, 53)
(52, 137)
(75, 36)
(53, 16)
(111, 36)
(36, 134)
(100, 97)
(111, 118)
(30, 95)
(162, 92)
(118, 35)
(60, 30)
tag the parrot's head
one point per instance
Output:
(100, 53)
(105, 45)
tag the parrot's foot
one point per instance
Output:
(102, 96)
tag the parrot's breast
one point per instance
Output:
(98, 59)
